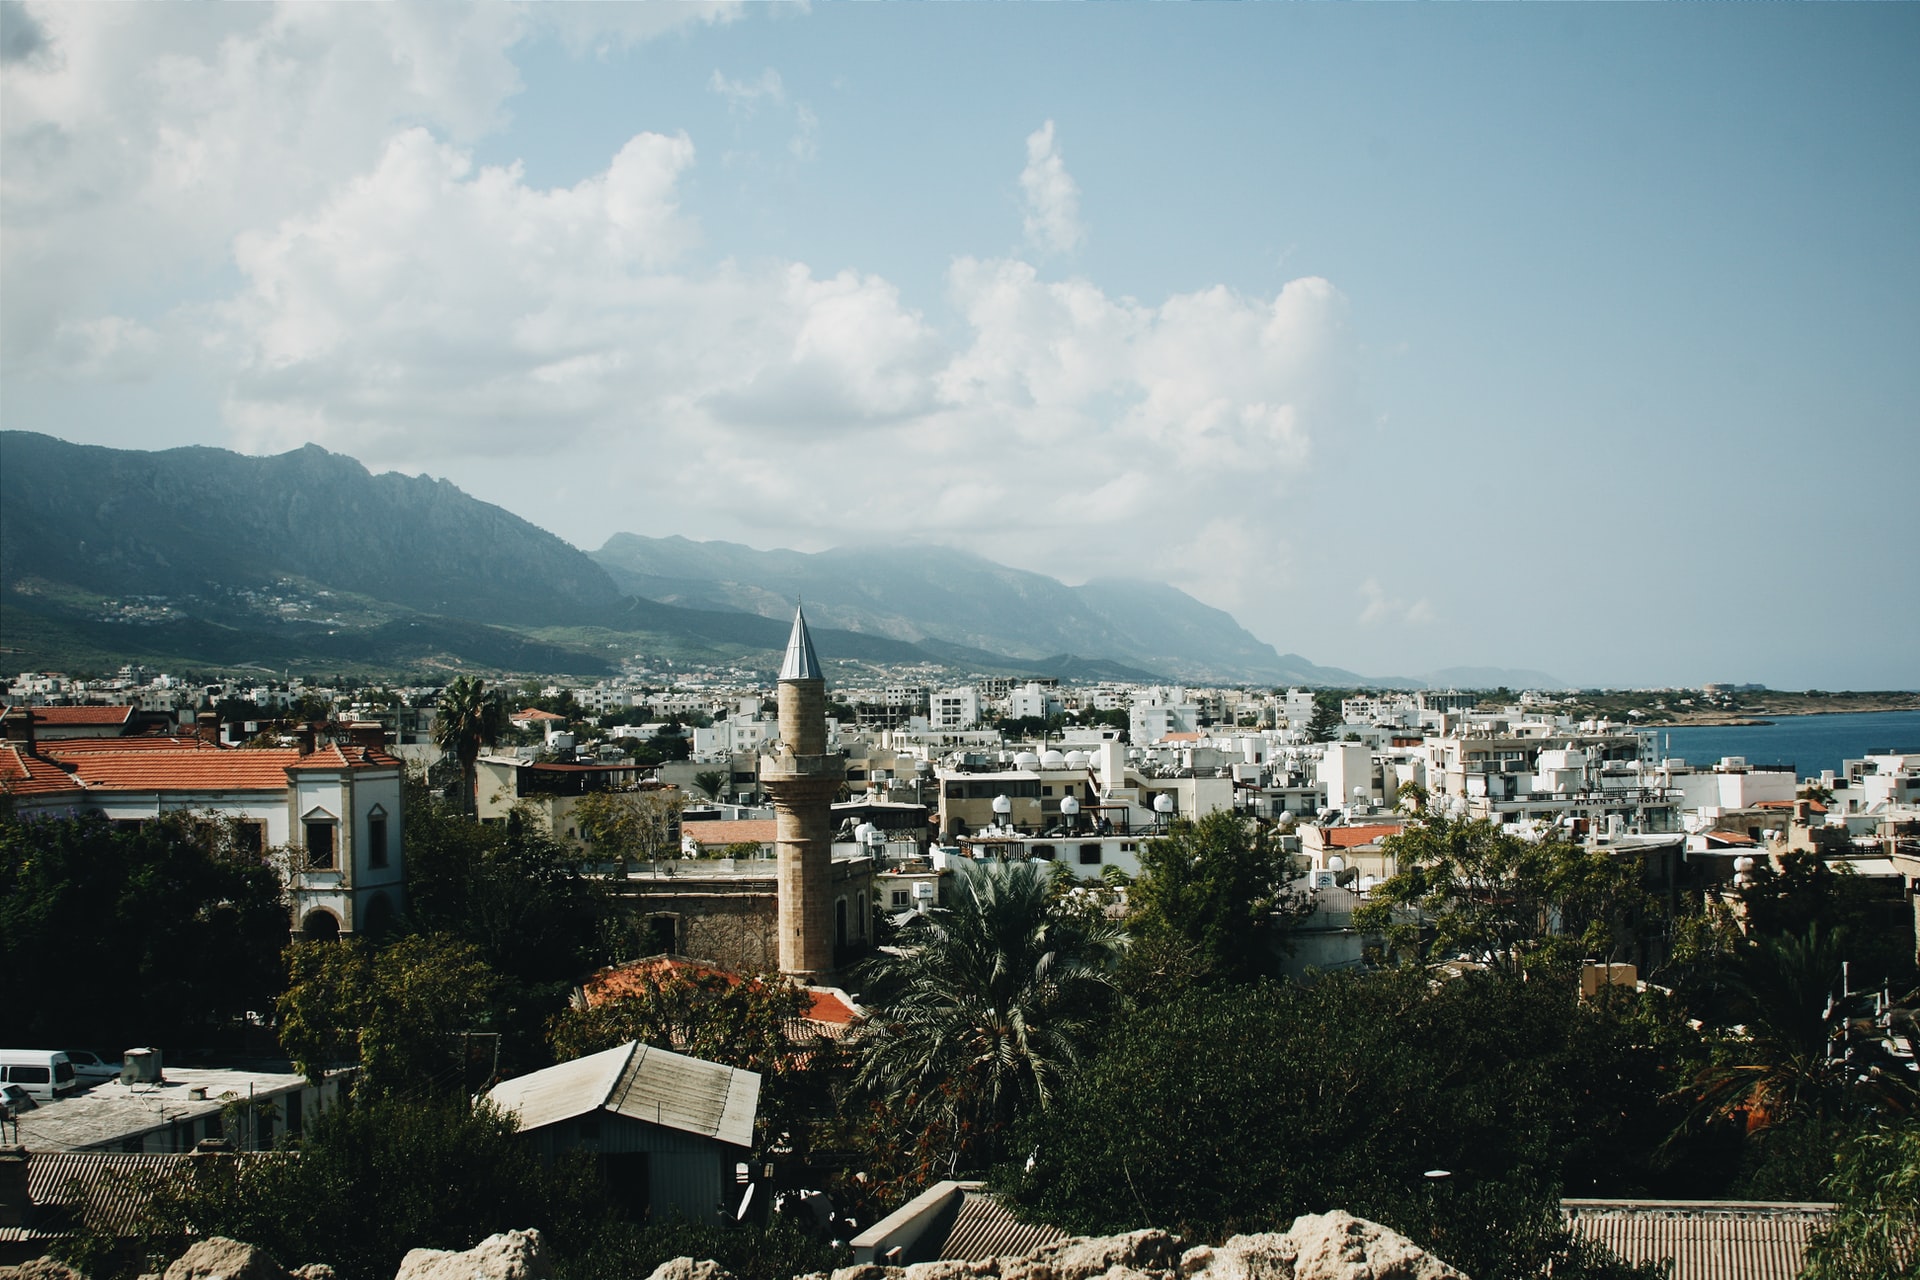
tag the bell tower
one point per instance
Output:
(803, 778)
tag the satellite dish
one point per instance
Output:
(746, 1202)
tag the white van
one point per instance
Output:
(45, 1073)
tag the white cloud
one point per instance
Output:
(1051, 198)
(140, 141)
(388, 296)
(745, 96)
(1378, 609)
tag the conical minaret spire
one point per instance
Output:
(803, 778)
(802, 663)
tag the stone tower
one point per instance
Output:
(803, 780)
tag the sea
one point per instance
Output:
(1808, 743)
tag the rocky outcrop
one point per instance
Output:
(510, 1255)
(40, 1269)
(218, 1258)
(1320, 1246)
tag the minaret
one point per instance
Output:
(803, 779)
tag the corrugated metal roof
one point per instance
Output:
(985, 1229)
(562, 1092)
(109, 1192)
(691, 1095)
(1707, 1240)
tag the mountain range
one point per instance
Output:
(204, 556)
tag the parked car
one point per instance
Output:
(14, 1099)
(91, 1068)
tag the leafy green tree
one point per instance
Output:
(469, 718)
(1466, 886)
(1805, 890)
(985, 1014)
(114, 935)
(632, 826)
(1212, 899)
(377, 1177)
(710, 782)
(511, 890)
(1221, 1112)
(400, 1011)
(1876, 1233)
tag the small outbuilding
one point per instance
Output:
(669, 1132)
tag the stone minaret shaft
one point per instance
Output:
(803, 779)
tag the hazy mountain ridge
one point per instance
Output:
(187, 522)
(213, 556)
(924, 593)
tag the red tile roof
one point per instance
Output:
(1193, 736)
(197, 767)
(75, 716)
(1739, 838)
(74, 746)
(824, 1004)
(25, 775)
(1353, 837)
(739, 831)
(534, 713)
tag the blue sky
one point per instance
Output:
(1579, 338)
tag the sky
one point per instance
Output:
(1577, 338)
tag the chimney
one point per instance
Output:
(206, 727)
(15, 1206)
(305, 734)
(19, 727)
(370, 734)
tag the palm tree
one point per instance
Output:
(986, 1013)
(470, 718)
(1794, 1060)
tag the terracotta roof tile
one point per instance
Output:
(74, 746)
(197, 767)
(1354, 837)
(824, 1004)
(74, 716)
(25, 775)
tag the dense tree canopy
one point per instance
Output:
(1236, 1110)
(112, 935)
(1474, 888)
(404, 1012)
(1211, 901)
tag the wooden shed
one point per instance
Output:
(667, 1130)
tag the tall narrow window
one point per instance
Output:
(320, 846)
(377, 837)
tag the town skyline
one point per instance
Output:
(1577, 342)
